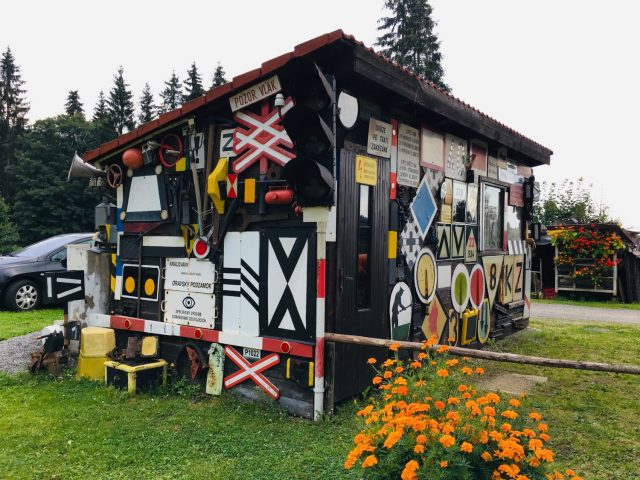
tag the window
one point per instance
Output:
(59, 255)
(492, 217)
(363, 282)
(514, 223)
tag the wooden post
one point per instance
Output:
(486, 355)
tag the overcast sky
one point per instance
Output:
(564, 73)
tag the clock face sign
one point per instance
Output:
(400, 307)
(425, 275)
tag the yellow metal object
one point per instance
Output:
(97, 341)
(113, 283)
(250, 190)
(132, 371)
(311, 373)
(149, 347)
(91, 367)
(149, 287)
(129, 284)
(181, 164)
(393, 244)
(469, 326)
(219, 174)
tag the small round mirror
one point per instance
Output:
(348, 109)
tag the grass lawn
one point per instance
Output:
(68, 429)
(13, 324)
(589, 303)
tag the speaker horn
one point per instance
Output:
(80, 169)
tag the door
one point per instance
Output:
(362, 264)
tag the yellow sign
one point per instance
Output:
(366, 170)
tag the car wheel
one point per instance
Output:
(22, 296)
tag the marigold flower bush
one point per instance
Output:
(581, 242)
(427, 421)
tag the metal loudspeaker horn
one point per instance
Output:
(80, 169)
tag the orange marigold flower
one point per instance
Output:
(514, 403)
(434, 363)
(447, 441)
(462, 388)
(505, 427)
(422, 356)
(399, 369)
(443, 348)
(400, 381)
(480, 370)
(510, 414)
(370, 461)
(535, 416)
(394, 347)
(486, 456)
(543, 427)
(451, 339)
(392, 439)
(418, 448)
(534, 462)
(439, 404)
(453, 401)
(409, 471)
(493, 397)
(404, 391)
(466, 395)
(443, 372)
(387, 374)
(365, 411)
(545, 437)
(444, 464)
(421, 438)
(371, 361)
(466, 371)
(570, 472)
(484, 437)
(447, 428)
(466, 447)
(377, 380)
(415, 364)
(489, 411)
(452, 362)
(420, 383)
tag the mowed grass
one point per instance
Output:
(14, 324)
(588, 303)
(66, 429)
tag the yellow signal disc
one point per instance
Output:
(149, 287)
(129, 284)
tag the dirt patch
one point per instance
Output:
(15, 353)
(511, 383)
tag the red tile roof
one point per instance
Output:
(267, 67)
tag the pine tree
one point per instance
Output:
(410, 40)
(172, 94)
(100, 112)
(13, 106)
(218, 77)
(73, 105)
(147, 108)
(8, 232)
(120, 104)
(193, 84)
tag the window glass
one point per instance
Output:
(363, 282)
(514, 223)
(59, 256)
(492, 221)
(459, 201)
(472, 203)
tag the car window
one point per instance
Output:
(44, 247)
(59, 255)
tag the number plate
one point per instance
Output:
(252, 353)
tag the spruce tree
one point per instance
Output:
(147, 108)
(13, 106)
(101, 112)
(410, 40)
(120, 104)
(73, 105)
(193, 84)
(218, 77)
(8, 232)
(172, 94)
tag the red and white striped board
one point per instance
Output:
(119, 322)
(252, 371)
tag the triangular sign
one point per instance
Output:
(492, 268)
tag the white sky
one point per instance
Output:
(564, 73)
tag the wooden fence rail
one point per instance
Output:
(486, 355)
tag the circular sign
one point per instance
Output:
(460, 288)
(484, 321)
(347, 109)
(201, 247)
(400, 307)
(425, 275)
(476, 285)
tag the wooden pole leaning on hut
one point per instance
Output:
(486, 355)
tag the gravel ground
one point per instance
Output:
(580, 313)
(15, 353)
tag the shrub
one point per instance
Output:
(428, 422)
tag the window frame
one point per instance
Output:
(503, 187)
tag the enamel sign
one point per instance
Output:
(188, 308)
(379, 140)
(408, 156)
(255, 93)
(366, 170)
(189, 275)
